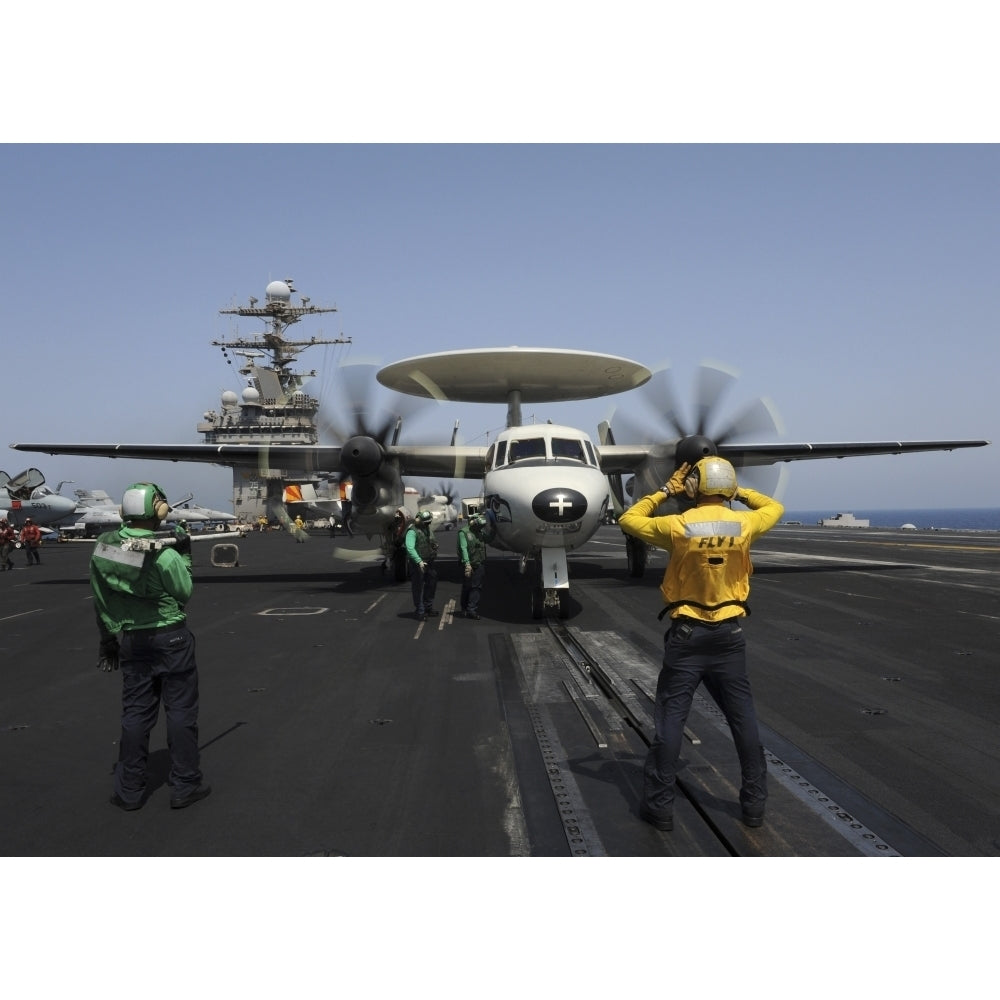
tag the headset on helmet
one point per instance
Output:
(712, 476)
(424, 517)
(143, 502)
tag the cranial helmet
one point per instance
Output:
(478, 521)
(143, 502)
(712, 476)
(424, 517)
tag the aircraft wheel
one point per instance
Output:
(537, 602)
(635, 553)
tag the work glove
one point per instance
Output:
(675, 484)
(183, 543)
(107, 655)
(422, 567)
(468, 569)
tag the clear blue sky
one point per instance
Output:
(854, 286)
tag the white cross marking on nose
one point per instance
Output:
(562, 503)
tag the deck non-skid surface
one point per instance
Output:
(333, 723)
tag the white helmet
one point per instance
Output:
(712, 476)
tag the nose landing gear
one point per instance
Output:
(550, 592)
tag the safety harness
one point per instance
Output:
(704, 607)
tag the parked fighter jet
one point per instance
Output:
(546, 486)
(26, 495)
(96, 512)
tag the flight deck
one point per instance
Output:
(333, 723)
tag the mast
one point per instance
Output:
(273, 406)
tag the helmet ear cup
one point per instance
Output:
(691, 483)
(144, 501)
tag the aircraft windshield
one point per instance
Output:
(568, 448)
(558, 449)
(526, 448)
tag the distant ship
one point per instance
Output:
(273, 406)
(844, 520)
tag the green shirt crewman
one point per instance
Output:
(141, 583)
(421, 550)
(472, 541)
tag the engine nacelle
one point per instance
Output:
(360, 457)
(693, 448)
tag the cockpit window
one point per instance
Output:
(501, 452)
(527, 448)
(590, 453)
(568, 448)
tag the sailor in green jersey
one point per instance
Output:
(421, 550)
(472, 540)
(141, 583)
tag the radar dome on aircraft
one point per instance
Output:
(278, 291)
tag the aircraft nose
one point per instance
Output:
(559, 505)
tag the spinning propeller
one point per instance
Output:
(677, 437)
(364, 426)
(448, 491)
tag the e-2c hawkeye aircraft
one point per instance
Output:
(546, 486)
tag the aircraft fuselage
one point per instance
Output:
(545, 490)
(44, 509)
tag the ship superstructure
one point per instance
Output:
(273, 406)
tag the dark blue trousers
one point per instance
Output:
(472, 587)
(423, 585)
(158, 666)
(717, 656)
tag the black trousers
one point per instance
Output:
(472, 587)
(716, 656)
(158, 666)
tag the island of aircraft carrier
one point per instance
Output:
(274, 405)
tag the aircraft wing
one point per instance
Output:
(309, 458)
(453, 461)
(448, 461)
(620, 458)
(745, 455)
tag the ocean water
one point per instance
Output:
(939, 518)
